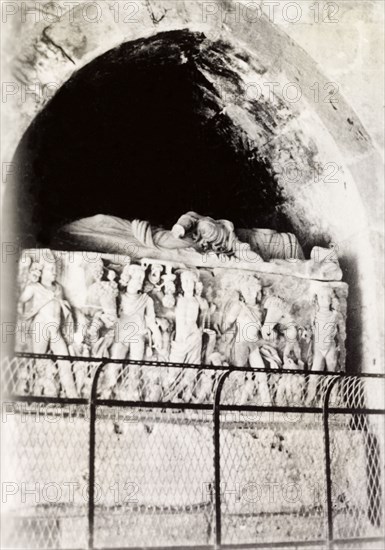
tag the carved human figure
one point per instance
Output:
(43, 308)
(278, 315)
(306, 344)
(243, 323)
(101, 306)
(154, 274)
(217, 236)
(135, 324)
(153, 285)
(209, 335)
(212, 305)
(95, 323)
(325, 330)
(102, 294)
(325, 327)
(195, 235)
(187, 346)
(169, 290)
(203, 305)
(164, 302)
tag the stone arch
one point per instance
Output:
(292, 139)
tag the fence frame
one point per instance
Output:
(93, 402)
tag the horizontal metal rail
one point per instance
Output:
(187, 406)
(200, 366)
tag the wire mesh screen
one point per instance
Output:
(357, 456)
(150, 382)
(145, 439)
(45, 492)
(157, 383)
(154, 473)
(47, 377)
(273, 488)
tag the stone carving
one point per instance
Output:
(278, 314)
(272, 245)
(165, 311)
(281, 328)
(328, 331)
(96, 322)
(217, 236)
(44, 312)
(102, 310)
(325, 327)
(197, 240)
(246, 347)
(169, 290)
(153, 283)
(160, 286)
(136, 323)
(187, 346)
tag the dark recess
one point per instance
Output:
(139, 133)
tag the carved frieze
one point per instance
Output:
(104, 305)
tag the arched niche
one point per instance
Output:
(259, 137)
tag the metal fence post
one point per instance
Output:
(91, 457)
(217, 459)
(329, 500)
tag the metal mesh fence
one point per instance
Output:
(42, 377)
(143, 439)
(158, 383)
(154, 474)
(357, 458)
(45, 491)
(273, 488)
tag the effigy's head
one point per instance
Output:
(210, 234)
(133, 277)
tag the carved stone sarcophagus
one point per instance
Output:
(194, 295)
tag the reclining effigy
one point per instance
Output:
(202, 294)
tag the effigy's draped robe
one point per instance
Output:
(114, 235)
